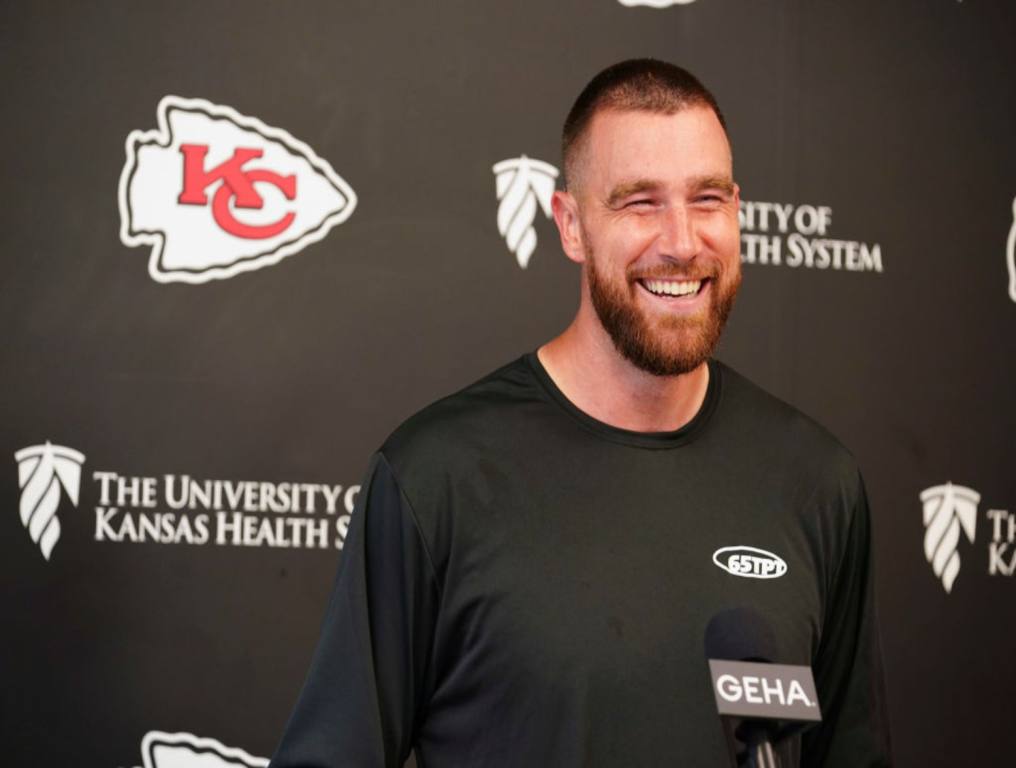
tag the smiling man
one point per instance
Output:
(534, 560)
(650, 210)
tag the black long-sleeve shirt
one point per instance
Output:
(523, 585)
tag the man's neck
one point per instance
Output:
(597, 379)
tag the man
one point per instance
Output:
(530, 570)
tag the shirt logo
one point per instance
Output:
(522, 183)
(215, 193)
(750, 562)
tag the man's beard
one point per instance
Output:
(669, 345)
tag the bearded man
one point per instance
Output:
(532, 565)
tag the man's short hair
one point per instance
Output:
(636, 84)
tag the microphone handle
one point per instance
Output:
(762, 755)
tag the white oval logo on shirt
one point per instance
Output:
(750, 562)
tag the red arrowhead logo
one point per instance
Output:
(215, 193)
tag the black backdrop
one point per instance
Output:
(886, 125)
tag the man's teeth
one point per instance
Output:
(673, 288)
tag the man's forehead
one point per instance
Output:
(691, 140)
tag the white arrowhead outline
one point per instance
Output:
(163, 138)
(154, 739)
(655, 3)
(1010, 253)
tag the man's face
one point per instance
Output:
(657, 215)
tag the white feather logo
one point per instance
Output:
(42, 469)
(521, 184)
(948, 509)
(1010, 253)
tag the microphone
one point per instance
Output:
(760, 702)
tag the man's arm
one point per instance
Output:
(854, 732)
(360, 704)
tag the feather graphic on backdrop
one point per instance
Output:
(948, 509)
(42, 469)
(521, 184)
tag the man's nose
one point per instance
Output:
(679, 238)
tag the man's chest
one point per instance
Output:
(590, 575)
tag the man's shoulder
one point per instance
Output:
(451, 428)
(763, 419)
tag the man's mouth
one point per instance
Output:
(674, 288)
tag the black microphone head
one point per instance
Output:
(740, 634)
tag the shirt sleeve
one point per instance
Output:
(361, 702)
(854, 731)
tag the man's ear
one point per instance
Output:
(566, 216)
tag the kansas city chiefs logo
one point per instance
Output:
(215, 193)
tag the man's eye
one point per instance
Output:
(642, 201)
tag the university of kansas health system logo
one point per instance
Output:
(42, 471)
(521, 184)
(950, 515)
(948, 510)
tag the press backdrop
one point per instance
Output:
(242, 241)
